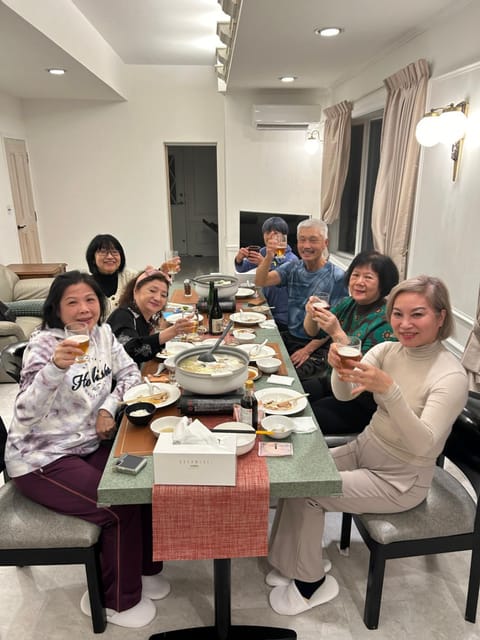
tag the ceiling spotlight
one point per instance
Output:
(328, 32)
(56, 72)
(287, 78)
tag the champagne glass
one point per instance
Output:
(79, 333)
(171, 259)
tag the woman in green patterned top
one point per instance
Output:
(369, 278)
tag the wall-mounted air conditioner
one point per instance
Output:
(285, 116)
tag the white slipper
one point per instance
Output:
(85, 606)
(137, 616)
(155, 587)
(288, 601)
(275, 579)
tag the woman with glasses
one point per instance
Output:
(106, 261)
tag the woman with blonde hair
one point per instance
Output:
(420, 388)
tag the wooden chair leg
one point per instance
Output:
(373, 598)
(473, 586)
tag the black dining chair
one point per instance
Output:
(31, 534)
(447, 520)
(11, 358)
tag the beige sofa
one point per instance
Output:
(27, 298)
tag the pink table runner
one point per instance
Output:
(199, 522)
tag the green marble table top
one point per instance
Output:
(309, 472)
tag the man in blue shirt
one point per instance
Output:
(302, 279)
(248, 259)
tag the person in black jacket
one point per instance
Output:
(136, 321)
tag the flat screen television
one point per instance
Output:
(251, 226)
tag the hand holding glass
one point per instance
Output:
(78, 332)
(322, 300)
(172, 262)
(281, 245)
(350, 351)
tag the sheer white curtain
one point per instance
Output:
(397, 174)
(336, 156)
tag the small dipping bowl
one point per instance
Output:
(243, 336)
(140, 413)
(166, 424)
(281, 426)
(269, 365)
(169, 363)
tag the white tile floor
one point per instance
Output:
(422, 597)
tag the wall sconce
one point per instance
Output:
(312, 141)
(447, 125)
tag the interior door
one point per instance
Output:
(21, 185)
(193, 199)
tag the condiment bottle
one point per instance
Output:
(249, 405)
(215, 318)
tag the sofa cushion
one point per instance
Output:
(8, 280)
(27, 307)
(31, 288)
(28, 324)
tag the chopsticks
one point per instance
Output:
(259, 432)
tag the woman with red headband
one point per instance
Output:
(135, 322)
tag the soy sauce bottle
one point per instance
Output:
(215, 319)
(249, 405)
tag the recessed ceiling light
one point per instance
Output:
(287, 78)
(328, 32)
(57, 72)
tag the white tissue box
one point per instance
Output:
(194, 463)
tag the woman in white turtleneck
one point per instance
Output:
(420, 389)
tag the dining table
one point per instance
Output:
(310, 471)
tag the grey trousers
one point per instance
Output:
(372, 482)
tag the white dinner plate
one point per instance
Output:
(243, 292)
(209, 342)
(141, 390)
(264, 352)
(178, 308)
(248, 317)
(171, 349)
(279, 395)
(245, 441)
(173, 317)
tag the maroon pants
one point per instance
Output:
(69, 485)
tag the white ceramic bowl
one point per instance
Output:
(269, 365)
(169, 363)
(245, 441)
(282, 426)
(164, 425)
(243, 336)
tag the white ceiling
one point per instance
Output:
(274, 38)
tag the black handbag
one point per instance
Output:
(6, 313)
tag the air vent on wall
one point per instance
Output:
(289, 116)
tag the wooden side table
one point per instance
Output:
(38, 270)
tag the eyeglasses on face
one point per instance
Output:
(104, 252)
